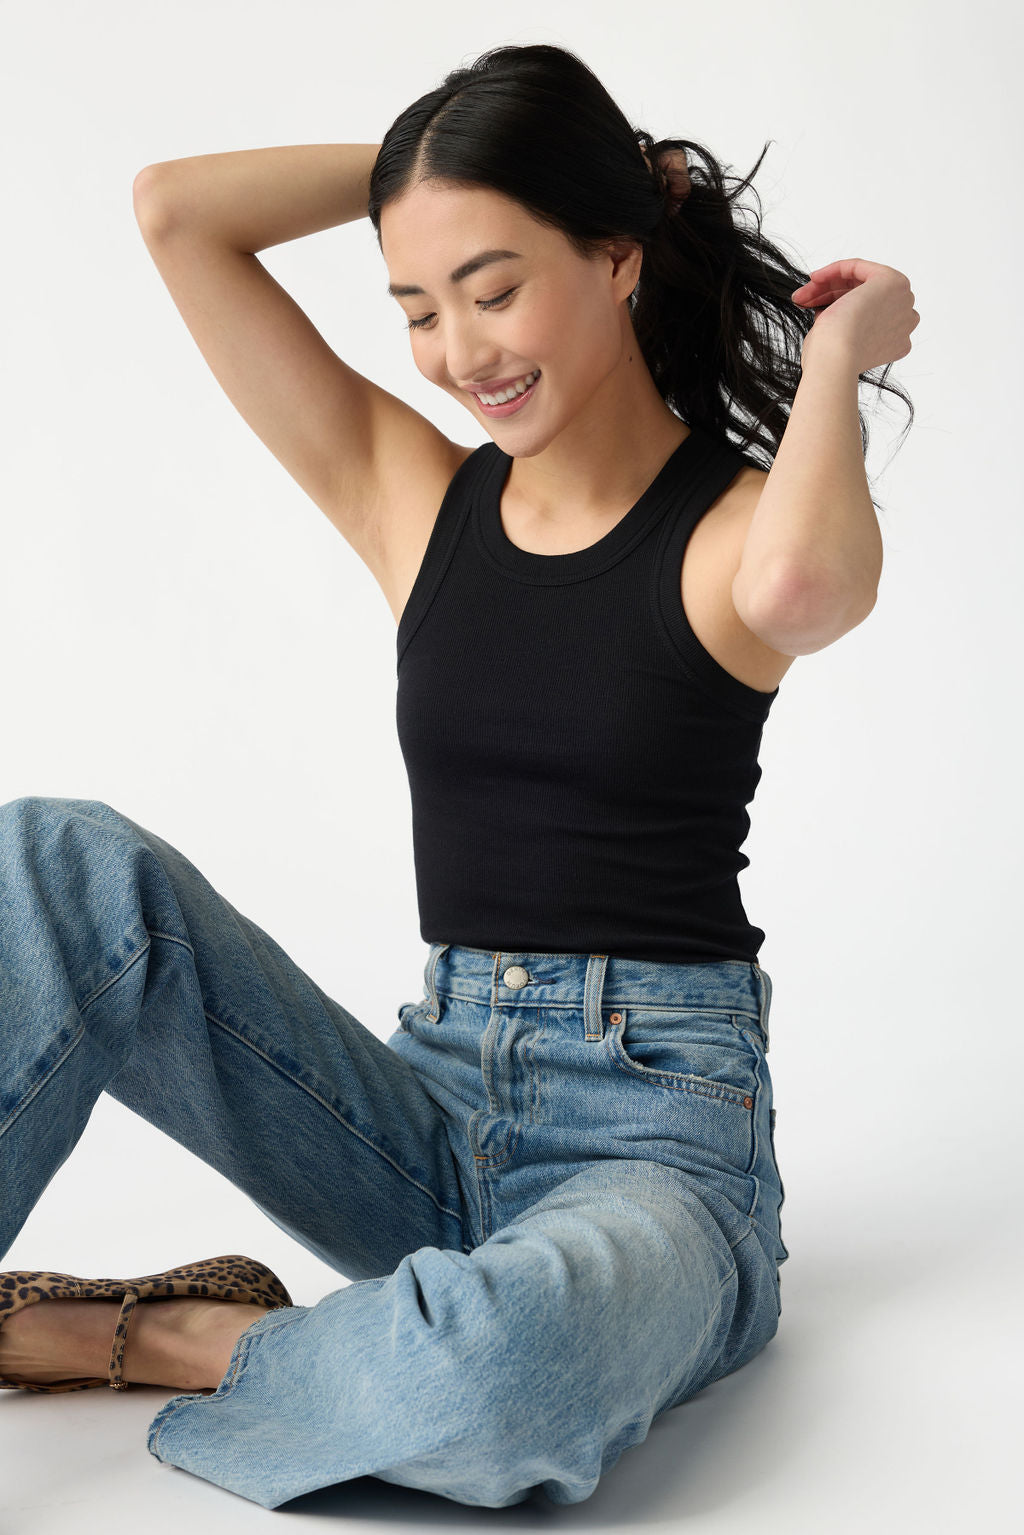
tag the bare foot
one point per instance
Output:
(183, 1342)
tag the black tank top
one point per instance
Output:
(579, 765)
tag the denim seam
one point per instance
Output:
(133, 960)
(331, 1110)
(531, 1061)
(759, 1061)
(648, 1073)
(81, 1006)
(504, 1153)
(675, 1081)
(606, 1003)
(733, 1245)
(503, 1156)
(38, 1086)
(171, 938)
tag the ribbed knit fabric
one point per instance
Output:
(579, 764)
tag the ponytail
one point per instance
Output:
(712, 311)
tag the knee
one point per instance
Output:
(18, 812)
(57, 837)
(33, 809)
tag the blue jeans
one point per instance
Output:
(554, 1187)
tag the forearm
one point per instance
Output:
(253, 198)
(812, 557)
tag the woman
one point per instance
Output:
(554, 1187)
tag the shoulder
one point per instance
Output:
(735, 507)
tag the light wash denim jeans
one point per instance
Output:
(554, 1187)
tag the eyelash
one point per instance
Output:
(488, 303)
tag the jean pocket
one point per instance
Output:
(686, 1050)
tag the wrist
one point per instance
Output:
(828, 354)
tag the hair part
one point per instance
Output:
(712, 310)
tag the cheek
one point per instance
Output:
(585, 353)
(582, 334)
(429, 362)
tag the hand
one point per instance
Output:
(865, 309)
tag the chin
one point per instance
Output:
(518, 444)
(521, 440)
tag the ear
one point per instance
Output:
(626, 257)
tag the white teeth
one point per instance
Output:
(513, 389)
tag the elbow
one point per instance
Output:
(149, 200)
(144, 184)
(798, 615)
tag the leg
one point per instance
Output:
(531, 1362)
(122, 970)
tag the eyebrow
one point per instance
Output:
(485, 258)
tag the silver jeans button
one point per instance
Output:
(515, 976)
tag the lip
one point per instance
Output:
(494, 384)
(511, 406)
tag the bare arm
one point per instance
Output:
(812, 559)
(358, 452)
(250, 199)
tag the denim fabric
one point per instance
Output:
(554, 1187)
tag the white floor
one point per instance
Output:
(888, 1401)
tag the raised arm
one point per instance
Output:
(351, 445)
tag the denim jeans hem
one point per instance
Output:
(232, 1375)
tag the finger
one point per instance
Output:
(834, 284)
(818, 300)
(849, 269)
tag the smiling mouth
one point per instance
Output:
(507, 395)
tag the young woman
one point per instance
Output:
(555, 1186)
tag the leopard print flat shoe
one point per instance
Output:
(231, 1278)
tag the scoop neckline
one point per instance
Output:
(577, 562)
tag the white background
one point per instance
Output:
(186, 637)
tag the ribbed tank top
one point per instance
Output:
(579, 765)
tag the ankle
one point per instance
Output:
(183, 1342)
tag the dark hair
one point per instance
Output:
(712, 311)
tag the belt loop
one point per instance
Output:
(436, 950)
(593, 990)
(765, 983)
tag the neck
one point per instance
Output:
(607, 455)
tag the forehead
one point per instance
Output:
(431, 228)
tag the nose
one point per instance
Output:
(467, 352)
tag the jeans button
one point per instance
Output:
(515, 976)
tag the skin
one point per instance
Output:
(597, 431)
(182, 1343)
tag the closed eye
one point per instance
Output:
(487, 303)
